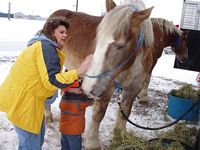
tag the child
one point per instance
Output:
(72, 120)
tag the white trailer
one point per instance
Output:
(190, 20)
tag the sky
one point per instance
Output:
(168, 9)
(45, 7)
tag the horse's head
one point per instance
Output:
(179, 47)
(117, 41)
(167, 34)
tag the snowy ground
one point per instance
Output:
(153, 115)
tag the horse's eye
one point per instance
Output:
(120, 46)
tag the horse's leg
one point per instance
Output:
(143, 95)
(126, 105)
(99, 109)
(128, 96)
(48, 115)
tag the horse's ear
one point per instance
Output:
(138, 17)
(110, 4)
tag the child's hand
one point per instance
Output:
(75, 90)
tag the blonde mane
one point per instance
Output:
(119, 19)
(166, 25)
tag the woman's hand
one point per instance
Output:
(84, 66)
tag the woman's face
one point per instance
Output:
(60, 35)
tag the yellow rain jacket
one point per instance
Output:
(34, 77)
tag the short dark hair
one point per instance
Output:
(52, 23)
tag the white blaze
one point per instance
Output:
(97, 64)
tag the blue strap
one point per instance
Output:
(140, 40)
(117, 86)
(177, 42)
(69, 113)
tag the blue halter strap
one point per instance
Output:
(177, 42)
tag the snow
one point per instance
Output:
(164, 78)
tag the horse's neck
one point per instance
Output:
(168, 32)
(80, 41)
(162, 39)
(159, 43)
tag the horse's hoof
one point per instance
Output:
(89, 146)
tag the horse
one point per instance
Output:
(165, 34)
(126, 34)
(81, 42)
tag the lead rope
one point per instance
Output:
(119, 100)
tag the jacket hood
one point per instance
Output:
(40, 37)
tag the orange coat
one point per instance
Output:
(72, 118)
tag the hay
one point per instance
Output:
(186, 91)
(174, 139)
(123, 140)
(182, 133)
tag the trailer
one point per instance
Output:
(190, 21)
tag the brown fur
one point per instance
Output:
(81, 35)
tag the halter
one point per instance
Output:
(107, 73)
(177, 42)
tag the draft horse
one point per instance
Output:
(124, 37)
(80, 43)
(165, 34)
(128, 45)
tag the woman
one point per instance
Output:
(35, 76)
